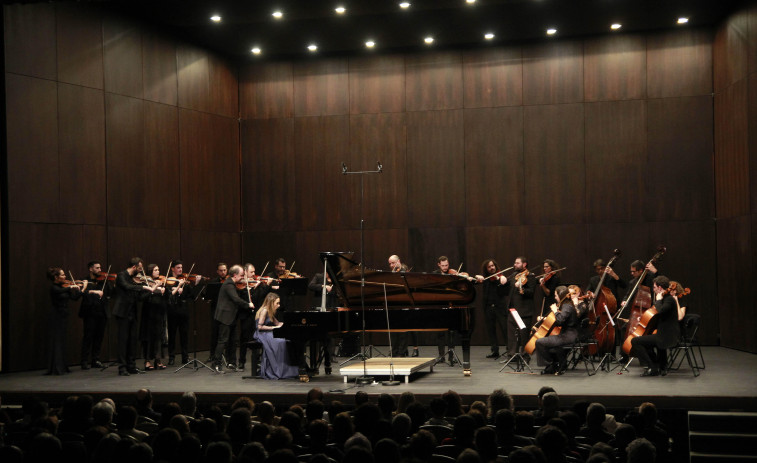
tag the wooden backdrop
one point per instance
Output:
(123, 142)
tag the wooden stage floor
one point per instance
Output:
(727, 383)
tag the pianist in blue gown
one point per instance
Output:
(274, 364)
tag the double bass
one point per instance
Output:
(604, 332)
(642, 298)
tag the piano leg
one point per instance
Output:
(465, 341)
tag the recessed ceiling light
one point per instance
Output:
(616, 26)
(488, 36)
(256, 51)
(429, 40)
(340, 9)
(405, 5)
(312, 47)
(470, 1)
(277, 14)
(215, 18)
(683, 20)
(551, 31)
(370, 44)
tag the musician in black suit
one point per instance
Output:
(522, 285)
(178, 310)
(222, 271)
(668, 331)
(94, 314)
(229, 303)
(444, 340)
(127, 294)
(495, 304)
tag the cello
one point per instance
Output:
(642, 298)
(604, 332)
(647, 323)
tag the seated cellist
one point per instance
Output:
(668, 331)
(550, 348)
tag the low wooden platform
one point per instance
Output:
(405, 366)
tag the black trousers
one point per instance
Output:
(213, 331)
(644, 348)
(495, 317)
(550, 348)
(178, 320)
(92, 339)
(224, 333)
(127, 342)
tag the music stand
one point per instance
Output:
(391, 381)
(365, 379)
(196, 364)
(520, 362)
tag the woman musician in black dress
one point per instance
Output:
(550, 348)
(153, 327)
(61, 292)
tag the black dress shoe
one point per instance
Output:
(493, 355)
(240, 366)
(663, 372)
(219, 369)
(123, 373)
(550, 369)
(651, 372)
(97, 364)
(415, 352)
(171, 360)
(328, 370)
(135, 371)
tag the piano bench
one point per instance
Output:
(256, 349)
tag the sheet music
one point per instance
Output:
(518, 320)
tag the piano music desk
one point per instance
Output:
(404, 366)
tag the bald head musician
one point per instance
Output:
(400, 340)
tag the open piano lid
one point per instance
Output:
(409, 289)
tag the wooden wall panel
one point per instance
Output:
(679, 63)
(615, 136)
(321, 144)
(161, 166)
(321, 88)
(207, 248)
(30, 40)
(502, 244)
(122, 58)
(380, 244)
(435, 160)
(752, 135)
(615, 68)
(264, 247)
(193, 81)
(689, 245)
(81, 146)
(632, 239)
(159, 74)
(735, 272)
(493, 77)
(565, 244)
(553, 73)
(268, 183)
(752, 39)
(680, 156)
(80, 45)
(554, 155)
(377, 84)
(494, 176)
(223, 87)
(32, 129)
(731, 49)
(267, 91)
(731, 152)
(209, 155)
(434, 81)
(37, 247)
(377, 138)
(124, 148)
(427, 244)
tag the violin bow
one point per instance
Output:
(105, 281)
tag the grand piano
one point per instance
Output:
(416, 302)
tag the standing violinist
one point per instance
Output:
(550, 348)
(254, 292)
(522, 285)
(495, 304)
(668, 331)
(180, 293)
(127, 294)
(229, 303)
(215, 283)
(94, 314)
(60, 294)
(153, 326)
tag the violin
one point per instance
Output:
(289, 274)
(193, 276)
(549, 274)
(68, 283)
(106, 277)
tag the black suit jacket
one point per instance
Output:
(228, 303)
(668, 328)
(127, 295)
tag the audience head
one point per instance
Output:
(314, 394)
(244, 402)
(454, 403)
(219, 452)
(499, 399)
(387, 451)
(641, 451)
(595, 415)
(550, 404)
(551, 440)
(188, 404)
(406, 398)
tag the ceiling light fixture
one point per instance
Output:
(312, 47)
(256, 51)
(277, 14)
(405, 5)
(370, 44)
(488, 36)
(616, 26)
(340, 9)
(683, 20)
(551, 31)
(429, 40)
(470, 1)
(215, 18)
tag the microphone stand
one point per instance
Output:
(391, 381)
(365, 379)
